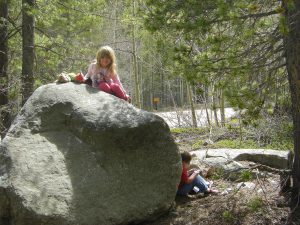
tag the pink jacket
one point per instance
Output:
(101, 74)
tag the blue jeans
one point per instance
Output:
(198, 182)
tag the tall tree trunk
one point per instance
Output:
(190, 97)
(28, 48)
(162, 89)
(206, 106)
(178, 114)
(141, 81)
(135, 66)
(222, 107)
(292, 53)
(115, 15)
(181, 87)
(214, 106)
(4, 112)
(152, 89)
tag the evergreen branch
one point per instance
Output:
(89, 13)
(258, 15)
(13, 33)
(62, 56)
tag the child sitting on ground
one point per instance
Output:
(193, 181)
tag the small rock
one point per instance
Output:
(207, 142)
(246, 185)
(260, 191)
(226, 191)
(252, 164)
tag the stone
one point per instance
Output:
(75, 155)
(273, 158)
(246, 185)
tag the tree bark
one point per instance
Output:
(4, 112)
(206, 106)
(190, 97)
(28, 26)
(222, 108)
(152, 89)
(135, 66)
(213, 105)
(292, 53)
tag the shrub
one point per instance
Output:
(181, 130)
(255, 204)
(236, 144)
(228, 216)
(245, 175)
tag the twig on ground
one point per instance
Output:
(262, 187)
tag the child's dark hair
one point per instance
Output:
(186, 157)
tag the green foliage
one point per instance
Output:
(180, 130)
(236, 144)
(198, 144)
(281, 145)
(224, 44)
(245, 175)
(269, 132)
(283, 25)
(255, 204)
(219, 173)
(228, 216)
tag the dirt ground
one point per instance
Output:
(256, 200)
(240, 205)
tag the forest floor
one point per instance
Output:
(254, 201)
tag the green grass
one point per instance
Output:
(245, 176)
(235, 143)
(255, 204)
(281, 145)
(227, 143)
(273, 137)
(228, 216)
(251, 144)
(198, 144)
(182, 130)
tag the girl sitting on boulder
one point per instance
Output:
(103, 73)
(191, 181)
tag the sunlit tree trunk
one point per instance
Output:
(206, 106)
(137, 95)
(28, 25)
(181, 92)
(190, 97)
(222, 108)
(152, 89)
(213, 105)
(4, 112)
(141, 81)
(115, 15)
(176, 109)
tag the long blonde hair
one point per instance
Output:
(107, 51)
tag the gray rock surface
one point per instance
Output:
(78, 156)
(273, 158)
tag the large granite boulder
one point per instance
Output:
(75, 155)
